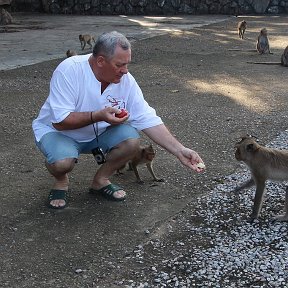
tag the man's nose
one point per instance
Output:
(124, 70)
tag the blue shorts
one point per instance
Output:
(56, 146)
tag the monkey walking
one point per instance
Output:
(262, 44)
(144, 155)
(86, 39)
(264, 163)
(241, 29)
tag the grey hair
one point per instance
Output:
(107, 42)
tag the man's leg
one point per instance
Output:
(60, 170)
(60, 152)
(120, 143)
(115, 159)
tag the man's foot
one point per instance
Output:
(111, 192)
(57, 199)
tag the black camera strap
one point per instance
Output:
(95, 130)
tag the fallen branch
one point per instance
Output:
(264, 63)
(243, 50)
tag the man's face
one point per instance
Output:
(113, 69)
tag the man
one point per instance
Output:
(80, 115)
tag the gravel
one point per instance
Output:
(229, 251)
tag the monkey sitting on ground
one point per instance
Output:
(70, 53)
(262, 44)
(241, 28)
(264, 163)
(86, 39)
(144, 155)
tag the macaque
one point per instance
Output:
(262, 45)
(241, 28)
(284, 58)
(70, 53)
(5, 17)
(264, 163)
(86, 39)
(144, 155)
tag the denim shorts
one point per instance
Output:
(56, 146)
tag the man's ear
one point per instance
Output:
(100, 61)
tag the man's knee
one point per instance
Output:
(61, 166)
(128, 148)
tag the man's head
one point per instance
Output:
(112, 52)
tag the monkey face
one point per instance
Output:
(263, 32)
(246, 148)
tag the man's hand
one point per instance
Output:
(191, 159)
(108, 115)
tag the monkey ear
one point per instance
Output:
(250, 147)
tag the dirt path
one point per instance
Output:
(208, 96)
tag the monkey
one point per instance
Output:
(283, 62)
(262, 44)
(86, 39)
(5, 17)
(70, 53)
(264, 163)
(241, 29)
(144, 155)
(284, 57)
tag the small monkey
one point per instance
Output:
(70, 53)
(262, 44)
(284, 57)
(86, 39)
(144, 155)
(241, 28)
(264, 163)
(5, 17)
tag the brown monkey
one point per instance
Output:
(144, 155)
(262, 44)
(5, 17)
(241, 28)
(284, 57)
(70, 53)
(86, 39)
(264, 163)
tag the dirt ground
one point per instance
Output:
(207, 95)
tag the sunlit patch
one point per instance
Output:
(234, 89)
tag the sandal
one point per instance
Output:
(108, 192)
(56, 194)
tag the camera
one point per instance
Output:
(99, 155)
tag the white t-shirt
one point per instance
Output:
(74, 88)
